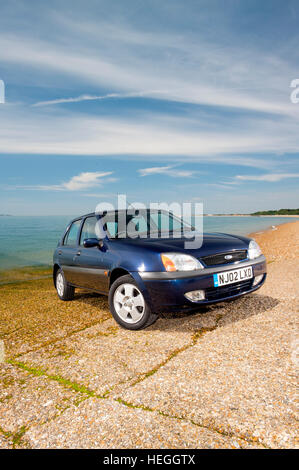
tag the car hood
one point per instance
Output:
(211, 243)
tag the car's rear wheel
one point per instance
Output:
(128, 306)
(64, 290)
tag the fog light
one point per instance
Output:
(195, 295)
(257, 280)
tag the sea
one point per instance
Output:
(31, 240)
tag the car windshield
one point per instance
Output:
(144, 223)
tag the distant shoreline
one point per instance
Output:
(272, 228)
(279, 243)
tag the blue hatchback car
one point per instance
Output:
(147, 270)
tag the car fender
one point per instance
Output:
(137, 278)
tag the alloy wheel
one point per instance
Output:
(129, 303)
(60, 284)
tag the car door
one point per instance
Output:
(67, 252)
(90, 262)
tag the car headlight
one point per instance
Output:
(180, 262)
(254, 250)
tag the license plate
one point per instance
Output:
(230, 277)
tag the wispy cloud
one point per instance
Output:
(118, 57)
(100, 195)
(166, 170)
(78, 99)
(144, 135)
(230, 183)
(122, 57)
(76, 183)
(268, 177)
(85, 180)
(219, 186)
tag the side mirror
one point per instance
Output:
(91, 242)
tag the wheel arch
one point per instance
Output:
(116, 273)
(56, 267)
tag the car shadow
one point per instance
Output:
(227, 312)
(90, 298)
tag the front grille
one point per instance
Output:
(218, 293)
(214, 260)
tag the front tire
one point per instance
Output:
(128, 306)
(64, 290)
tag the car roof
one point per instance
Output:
(92, 214)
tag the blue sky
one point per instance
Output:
(164, 101)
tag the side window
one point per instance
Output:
(88, 229)
(165, 221)
(71, 236)
(112, 229)
(138, 224)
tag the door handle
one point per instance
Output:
(76, 255)
(59, 252)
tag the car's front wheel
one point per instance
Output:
(64, 290)
(128, 306)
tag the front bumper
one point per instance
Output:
(166, 290)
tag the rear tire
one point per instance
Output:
(64, 290)
(128, 306)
